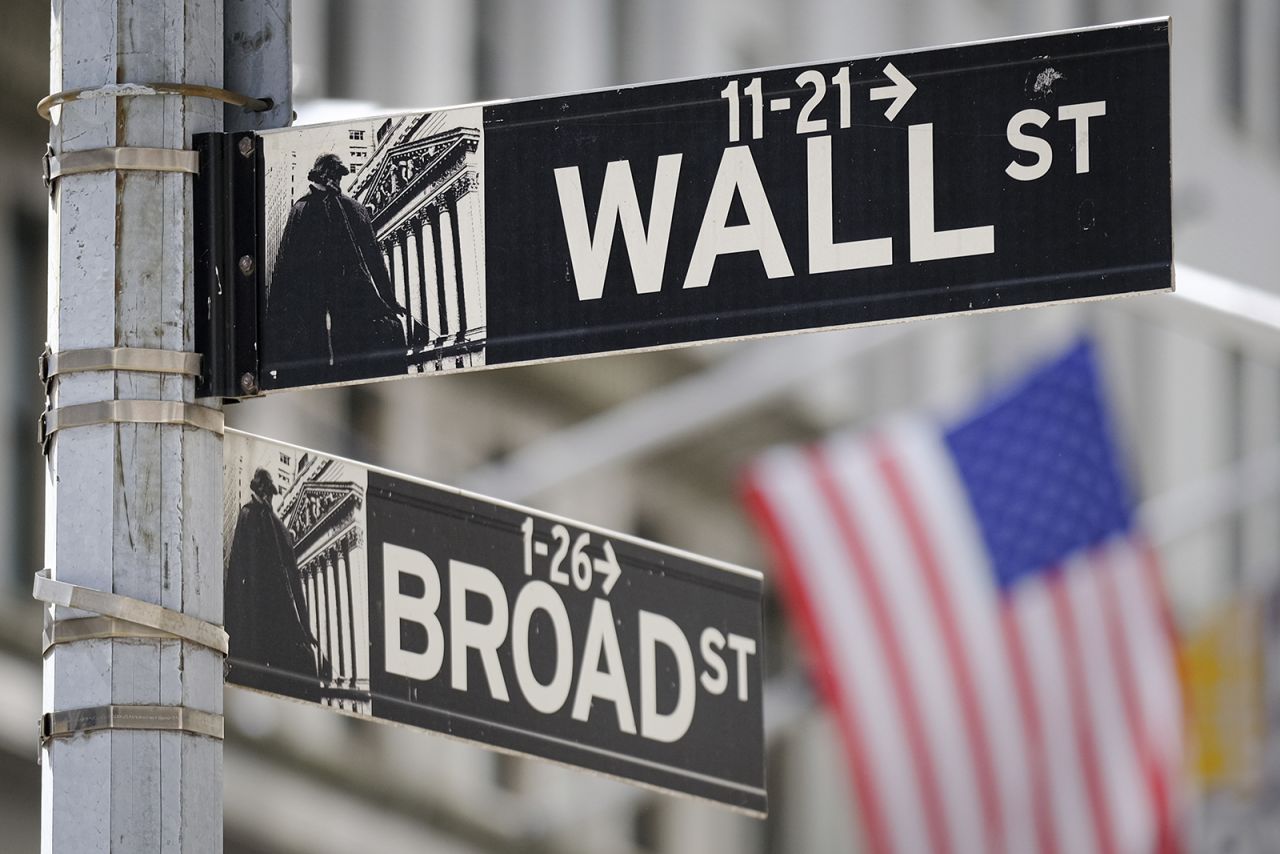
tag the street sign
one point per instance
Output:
(966, 178)
(388, 597)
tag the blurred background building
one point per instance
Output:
(654, 444)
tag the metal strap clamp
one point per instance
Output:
(128, 412)
(97, 628)
(136, 359)
(70, 722)
(145, 614)
(132, 90)
(123, 159)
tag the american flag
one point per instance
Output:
(987, 623)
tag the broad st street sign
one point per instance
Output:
(392, 598)
(967, 178)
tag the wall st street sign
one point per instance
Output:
(966, 178)
(388, 597)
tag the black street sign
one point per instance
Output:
(388, 597)
(967, 178)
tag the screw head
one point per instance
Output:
(246, 146)
(248, 384)
(246, 265)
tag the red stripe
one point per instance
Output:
(1037, 746)
(977, 742)
(800, 602)
(1153, 582)
(1082, 718)
(921, 757)
(1127, 676)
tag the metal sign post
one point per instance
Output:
(131, 736)
(966, 178)
(395, 599)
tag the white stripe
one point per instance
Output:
(848, 633)
(971, 587)
(1047, 671)
(1159, 692)
(1124, 786)
(930, 679)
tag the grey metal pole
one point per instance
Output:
(132, 509)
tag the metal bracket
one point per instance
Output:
(146, 614)
(128, 412)
(70, 722)
(123, 159)
(137, 359)
(228, 262)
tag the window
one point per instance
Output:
(356, 135)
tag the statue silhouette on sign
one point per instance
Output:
(266, 610)
(331, 309)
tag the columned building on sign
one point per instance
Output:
(421, 184)
(322, 511)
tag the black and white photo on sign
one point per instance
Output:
(296, 591)
(375, 248)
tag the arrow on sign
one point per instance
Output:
(608, 567)
(901, 91)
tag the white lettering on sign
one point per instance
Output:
(664, 726)
(1025, 142)
(668, 696)
(1079, 114)
(590, 251)
(608, 684)
(540, 596)
(419, 610)
(825, 255)
(484, 638)
(926, 243)
(738, 176)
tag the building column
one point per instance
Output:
(331, 617)
(455, 249)
(326, 636)
(413, 273)
(313, 593)
(468, 248)
(344, 555)
(339, 610)
(444, 293)
(425, 286)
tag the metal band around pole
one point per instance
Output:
(133, 90)
(183, 626)
(129, 412)
(97, 628)
(134, 159)
(163, 718)
(137, 359)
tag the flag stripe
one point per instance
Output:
(1082, 718)
(921, 759)
(900, 580)
(851, 643)
(800, 599)
(1125, 654)
(1031, 610)
(1037, 748)
(1125, 790)
(940, 499)
(976, 741)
